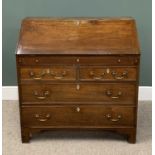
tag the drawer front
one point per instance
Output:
(90, 73)
(46, 60)
(75, 115)
(54, 73)
(100, 60)
(114, 93)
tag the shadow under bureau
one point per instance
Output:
(78, 74)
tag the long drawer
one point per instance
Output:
(100, 60)
(75, 115)
(120, 93)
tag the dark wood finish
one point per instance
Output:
(52, 73)
(108, 92)
(78, 74)
(25, 132)
(78, 115)
(87, 73)
(78, 36)
(108, 73)
(41, 60)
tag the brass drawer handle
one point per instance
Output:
(42, 119)
(41, 97)
(96, 77)
(58, 76)
(119, 77)
(44, 95)
(109, 117)
(37, 77)
(48, 72)
(109, 94)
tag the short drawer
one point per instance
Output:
(77, 115)
(102, 73)
(54, 73)
(81, 60)
(83, 93)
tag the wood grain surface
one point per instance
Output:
(78, 73)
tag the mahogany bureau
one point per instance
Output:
(78, 74)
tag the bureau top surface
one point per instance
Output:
(101, 36)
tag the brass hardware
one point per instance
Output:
(109, 93)
(78, 109)
(36, 60)
(41, 97)
(77, 87)
(119, 77)
(119, 60)
(96, 77)
(48, 71)
(108, 70)
(136, 61)
(44, 96)
(38, 77)
(58, 76)
(77, 60)
(42, 119)
(109, 117)
(115, 97)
